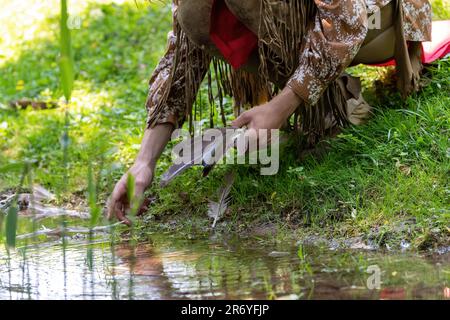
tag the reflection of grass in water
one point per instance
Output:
(304, 263)
(95, 212)
(66, 80)
(42, 131)
(12, 212)
(249, 272)
(134, 204)
(242, 269)
(11, 226)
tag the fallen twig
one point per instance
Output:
(38, 211)
(58, 232)
(37, 105)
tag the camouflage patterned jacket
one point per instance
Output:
(329, 46)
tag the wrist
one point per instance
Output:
(142, 163)
(288, 101)
(153, 143)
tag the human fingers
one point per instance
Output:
(242, 120)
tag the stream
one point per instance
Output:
(167, 267)
(75, 262)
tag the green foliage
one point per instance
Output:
(372, 178)
(115, 50)
(92, 199)
(441, 9)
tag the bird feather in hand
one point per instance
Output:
(204, 151)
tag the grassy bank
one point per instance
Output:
(385, 181)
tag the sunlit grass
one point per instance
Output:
(107, 107)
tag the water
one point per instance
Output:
(170, 268)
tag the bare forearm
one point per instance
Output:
(286, 102)
(153, 144)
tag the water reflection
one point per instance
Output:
(204, 269)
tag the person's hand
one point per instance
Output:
(153, 143)
(265, 116)
(118, 204)
(271, 115)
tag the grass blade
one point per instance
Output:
(11, 226)
(66, 59)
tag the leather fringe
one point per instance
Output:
(408, 56)
(283, 25)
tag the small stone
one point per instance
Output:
(278, 254)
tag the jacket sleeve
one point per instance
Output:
(417, 20)
(175, 82)
(331, 43)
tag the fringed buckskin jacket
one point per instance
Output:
(303, 44)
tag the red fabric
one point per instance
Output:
(234, 40)
(436, 49)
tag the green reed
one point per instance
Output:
(67, 78)
(304, 263)
(13, 211)
(95, 212)
(134, 204)
(66, 59)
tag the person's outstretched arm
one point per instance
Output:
(172, 90)
(153, 144)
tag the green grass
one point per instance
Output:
(373, 178)
(115, 51)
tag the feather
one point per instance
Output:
(211, 152)
(217, 209)
(196, 158)
(220, 149)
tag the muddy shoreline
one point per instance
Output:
(394, 239)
